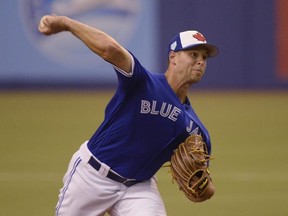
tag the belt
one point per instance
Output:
(111, 175)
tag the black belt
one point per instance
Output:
(111, 175)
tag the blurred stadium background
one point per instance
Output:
(53, 92)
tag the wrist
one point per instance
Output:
(65, 23)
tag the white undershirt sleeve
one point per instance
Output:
(127, 74)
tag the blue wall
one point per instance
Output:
(28, 58)
(244, 31)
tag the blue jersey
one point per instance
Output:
(144, 122)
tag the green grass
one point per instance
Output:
(40, 132)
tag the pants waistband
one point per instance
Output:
(102, 168)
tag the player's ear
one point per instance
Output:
(171, 57)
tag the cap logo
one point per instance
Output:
(173, 45)
(199, 37)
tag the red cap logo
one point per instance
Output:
(199, 37)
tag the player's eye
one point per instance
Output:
(205, 56)
(196, 55)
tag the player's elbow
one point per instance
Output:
(112, 52)
(119, 57)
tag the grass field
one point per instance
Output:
(249, 130)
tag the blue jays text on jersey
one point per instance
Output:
(166, 111)
(143, 124)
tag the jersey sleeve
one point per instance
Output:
(124, 73)
(128, 81)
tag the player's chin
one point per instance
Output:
(196, 79)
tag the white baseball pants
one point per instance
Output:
(88, 192)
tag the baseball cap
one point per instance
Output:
(189, 39)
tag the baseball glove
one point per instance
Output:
(189, 168)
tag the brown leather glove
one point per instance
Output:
(189, 168)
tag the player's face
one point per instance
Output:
(192, 64)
